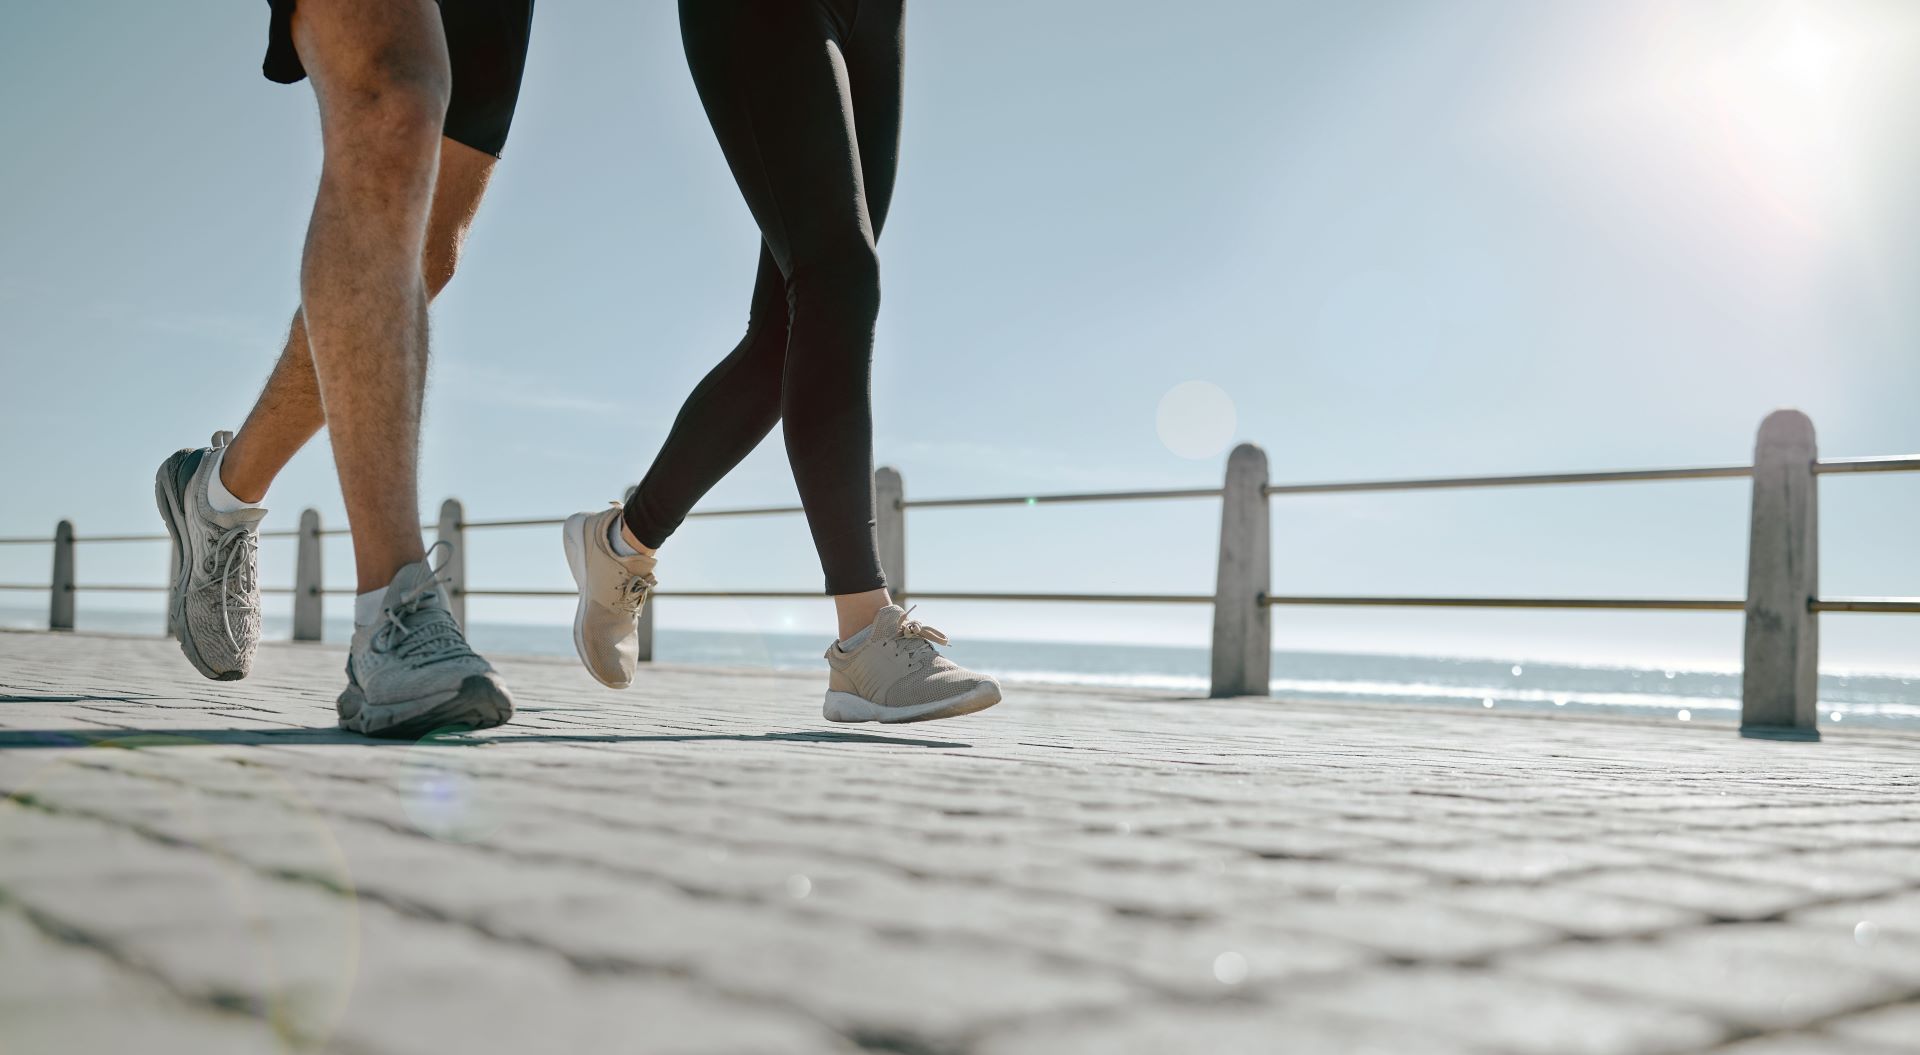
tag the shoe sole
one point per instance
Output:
(846, 707)
(167, 486)
(574, 536)
(481, 702)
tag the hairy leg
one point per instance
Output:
(379, 69)
(288, 412)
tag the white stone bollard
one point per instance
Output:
(890, 529)
(309, 603)
(60, 605)
(1780, 680)
(452, 532)
(1242, 621)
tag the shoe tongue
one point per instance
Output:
(250, 517)
(409, 577)
(888, 620)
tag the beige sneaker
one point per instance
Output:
(613, 589)
(896, 675)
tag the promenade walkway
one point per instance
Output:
(700, 864)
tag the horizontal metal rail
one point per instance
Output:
(1056, 499)
(522, 523)
(916, 595)
(1868, 604)
(1074, 598)
(1894, 464)
(804, 595)
(1703, 472)
(1905, 463)
(38, 587)
(1683, 604)
(525, 522)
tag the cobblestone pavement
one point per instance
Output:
(700, 864)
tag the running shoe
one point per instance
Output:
(213, 595)
(896, 674)
(613, 590)
(411, 672)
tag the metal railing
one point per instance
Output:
(1782, 605)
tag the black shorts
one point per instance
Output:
(486, 46)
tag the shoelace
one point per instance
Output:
(634, 592)
(230, 568)
(913, 629)
(634, 589)
(421, 638)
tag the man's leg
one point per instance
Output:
(288, 412)
(380, 70)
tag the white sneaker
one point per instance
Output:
(896, 675)
(411, 672)
(613, 590)
(213, 598)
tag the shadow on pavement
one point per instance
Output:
(135, 738)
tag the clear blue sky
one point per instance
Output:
(1404, 238)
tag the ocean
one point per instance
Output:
(1666, 694)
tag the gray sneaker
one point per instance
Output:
(213, 596)
(896, 675)
(613, 590)
(411, 672)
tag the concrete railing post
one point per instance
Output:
(453, 532)
(308, 600)
(1780, 676)
(890, 529)
(60, 606)
(646, 631)
(1242, 622)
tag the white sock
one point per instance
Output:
(221, 499)
(618, 540)
(853, 642)
(366, 607)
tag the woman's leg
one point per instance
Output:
(775, 80)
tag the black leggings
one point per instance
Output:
(777, 78)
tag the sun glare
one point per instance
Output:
(1794, 89)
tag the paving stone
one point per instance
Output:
(151, 1024)
(1814, 1043)
(1575, 912)
(1410, 929)
(1894, 1027)
(1217, 1029)
(1721, 975)
(1505, 861)
(1514, 1013)
(1717, 896)
(1893, 914)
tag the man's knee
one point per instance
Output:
(395, 100)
